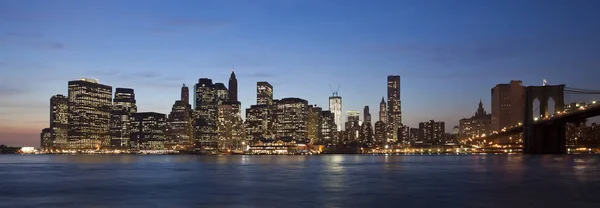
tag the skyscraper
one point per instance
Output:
(328, 128)
(123, 107)
(222, 93)
(89, 114)
(180, 132)
(233, 88)
(382, 111)
(314, 123)
(394, 107)
(380, 132)
(507, 104)
(291, 118)
(59, 121)
(148, 131)
(366, 135)
(230, 128)
(205, 114)
(352, 126)
(259, 122)
(335, 106)
(264, 93)
(185, 95)
(46, 139)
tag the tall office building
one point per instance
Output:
(335, 106)
(230, 128)
(314, 123)
(59, 121)
(185, 95)
(222, 93)
(507, 104)
(148, 131)
(328, 128)
(264, 93)
(291, 118)
(123, 107)
(352, 126)
(46, 139)
(205, 114)
(259, 122)
(90, 105)
(478, 125)
(394, 107)
(180, 132)
(233, 88)
(382, 111)
(366, 132)
(432, 132)
(380, 132)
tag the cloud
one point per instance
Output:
(24, 35)
(9, 91)
(54, 46)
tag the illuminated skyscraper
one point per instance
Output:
(478, 125)
(366, 132)
(328, 128)
(123, 107)
(352, 126)
(59, 121)
(180, 132)
(148, 131)
(222, 93)
(382, 111)
(205, 114)
(47, 139)
(432, 132)
(233, 88)
(230, 128)
(394, 107)
(259, 122)
(335, 106)
(314, 123)
(264, 93)
(380, 132)
(291, 118)
(90, 105)
(185, 95)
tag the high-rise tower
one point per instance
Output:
(185, 94)
(120, 127)
(233, 88)
(382, 111)
(89, 114)
(394, 107)
(264, 93)
(59, 121)
(335, 106)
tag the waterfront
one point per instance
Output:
(300, 181)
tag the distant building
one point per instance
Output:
(478, 125)
(259, 122)
(264, 93)
(366, 132)
(380, 132)
(205, 114)
(222, 93)
(59, 122)
(90, 106)
(382, 111)
(394, 112)
(507, 105)
(328, 129)
(432, 132)
(180, 132)
(314, 123)
(46, 139)
(283, 146)
(233, 88)
(352, 126)
(148, 131)
(124, 105)
(230, 127)
(335, 106)
(291, 118)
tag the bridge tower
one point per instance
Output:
(543, 137)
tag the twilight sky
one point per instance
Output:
(448, 53)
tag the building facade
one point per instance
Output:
(380, 132)
(264, 93)
(432, 132)
(230, 127)
(314, 123)
(90, 105)
(205, 114)
(480, 124)
(124, 105)
(352, 126)
(291, 118)
(382, 111)
(507, 105)
(148, 131)
(366, 132)
(394, 112)
(59, 122)
(233, 88)
(259, 122)
(328, 129)
(335, 106)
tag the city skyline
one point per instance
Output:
(452, 70)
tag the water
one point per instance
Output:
(299, 181)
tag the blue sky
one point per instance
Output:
(449, 53)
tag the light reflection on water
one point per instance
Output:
(300, 181)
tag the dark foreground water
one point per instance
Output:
(299, 181)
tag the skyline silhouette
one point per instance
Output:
(449, 55)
